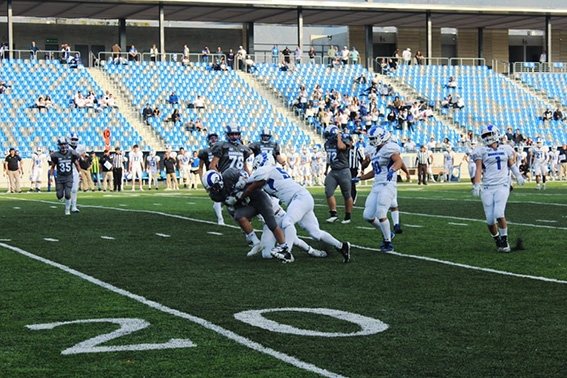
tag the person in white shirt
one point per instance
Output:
(406, 56)
(152, 167)
(183, 160)
(199, 103)
(305, 166)
(471, 164)
(554, 162)
(448, 162)
(136, 159)
(38, 162)
(539, 155)
(299, 202)
(385, 160)
(494, 161)
(410, 145)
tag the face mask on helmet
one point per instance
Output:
(212, 139)
(212, 181)
(262, 159)
(331, 132)
(266, 135)
(490, 135)
(62, 145)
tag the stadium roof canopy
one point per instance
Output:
(348, 13)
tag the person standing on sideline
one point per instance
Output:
(355, 159)
(38, 162)
(135, 166)
(85, 163)
(95, 169)
(152, 167)
(194, 170)
(117, 167)
(106, 168)
(494, 162)
(422, 161)
(169, 165)
(13, 169)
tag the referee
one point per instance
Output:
(355, 159)
(421, 161)
(117, 166)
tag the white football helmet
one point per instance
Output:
(73, 139)
(152, 153)
(81, 149)
(263, 159)
(490, 134)
(212, 180)
(377, 136)
(540, 142)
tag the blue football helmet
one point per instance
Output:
(73, 139)
(331, 132)
(266, 135)
(233, 133)
(212, 138)
(62, 144)
(212, 181)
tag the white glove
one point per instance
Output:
(230, 201)
(476, 190)
(520, 180)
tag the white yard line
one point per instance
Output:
(458, 224)
(168, 310)
(215, 233)
(356, 246)
(479, 201)
(546, 221)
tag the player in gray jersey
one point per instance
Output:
(205, 158)
(230, 154)
(268, 146)
(64, 160)
(223, 188)
(337, 160)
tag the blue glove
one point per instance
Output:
(390, 174)
(355, 180)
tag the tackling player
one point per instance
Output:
(64, 160)
(205, 158)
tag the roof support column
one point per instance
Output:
(249, 43)
(161, 32)
(548, 37)
(481, 42)
(369, 46)
(10, 30)
(122, 34)
(429, 33)
(300, 28)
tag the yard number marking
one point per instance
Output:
(369, 326)
(127, 326)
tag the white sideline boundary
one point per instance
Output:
(472, 267)
(168, 310)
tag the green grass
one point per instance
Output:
(443, 320)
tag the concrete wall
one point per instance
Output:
(496, 45)
(416, 39)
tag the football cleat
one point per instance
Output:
(67, 212)
(345, 221)
(345, 251)
(398, 229)
(220, 221)
(332, 219)
(387, 246)
(504, 246)
(75, 210)
(255, 249)
(316, 252)
(282, 253)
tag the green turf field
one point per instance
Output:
(155, 274)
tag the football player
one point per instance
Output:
(300, 204)
(337, 160)
(205, 158)
(305, 166)
(135, 162)
(448, 162)
(38, 162)
(468, 159)
(267, 145)
(183, 161)
(231, 153)
(494, 161)
(385, 159)
(292, 164)
(152, 167)
(554, 162)
(539, 155)
(64, 160)
(73, 142)
(316, 166)
(224, 188)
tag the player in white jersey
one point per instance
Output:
(494, 161)
(305, 166)
(385, 161)
(539, 155)
(38, 163)
(448, 162)
(471, 164)
(73, 140)
(152, 167)
(554, 162)
(317, 166)
(136, 160)
(300, 204)
(293, 165)
(184, 165)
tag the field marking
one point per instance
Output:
(366, 228)
(157, 204)
(107, 237)
(546, 221)
(163, 235)
(53, 207)
(412, 225)
(215, 233)
(122, 204)
(458, 224)
(168, 310)
(475, 200)
(356, 246)
(191, 203)
(50, 240)
(17, 208)
(5, 240)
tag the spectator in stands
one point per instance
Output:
(190, 126)
(411, 121)
(275, 54)
(34, 50)
(133, 54)
(543, 57)
(199, 103)
(90, 100)
(392, 117)
(65, 53)
(558, 115)
(354, 55)
(529, 141)
(241, 57)
(397, 104)
(157, 112)
(186, 50)
(173, 99)
(344, 56)
(402, 119)
(418, 58)
(297, 55)
(331, 54)
(312, 55)
(396, 55)
(3, 86)
(384, 68)
(447, 101)
(199, 126)
(219, 54)
(230, 59)
(409, 145)
(205, 54)
(460, 103)
(75, 61)
(48, 102)
(185, 60)
(110, 103)
(153, 53)
(3, 49)
(175, 116)
(147, 113)
(40, 103)
(116, 53)
(452, 82)
(431, 144)
(361, 79)
(250, 65)
(446, 143)
(392, 65)
(406, 56)
(286, 55)
(518, 138)
(509, 134)
(547, 115)
(80, 101)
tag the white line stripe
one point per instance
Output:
(357, 246)
(412, 225)
(546, 221)
(107, 237)
(215, 233)
(202, 322)
(475, 200)
(366, 228)
(458, 224)
(50, 239)
(163, 235)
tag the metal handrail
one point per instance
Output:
(474, 61)
(501, 66)
(47, 54)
